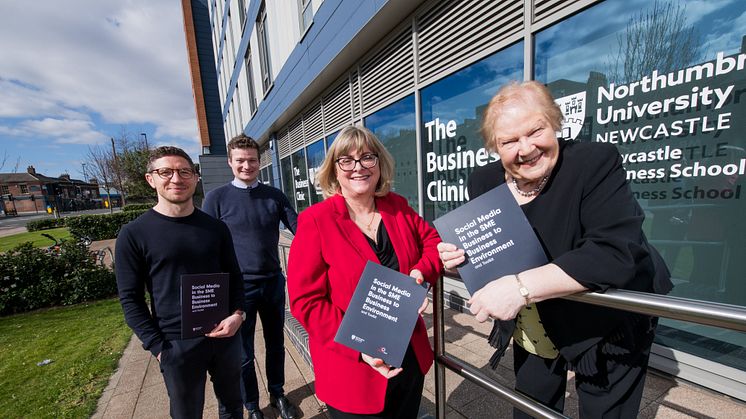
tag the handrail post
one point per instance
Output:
(439, 338)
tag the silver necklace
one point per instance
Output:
(532, 192)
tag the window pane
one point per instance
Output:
(394, 125)
(315, 158)
(287, 179)
(452, 117)
(330, 139)
(662, 81)
(300, 180)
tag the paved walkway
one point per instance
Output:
(136, 390)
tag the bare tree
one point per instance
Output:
(99, 162)
(3, 159)
(657, 38)
(128, 159)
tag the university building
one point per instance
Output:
(663, 80)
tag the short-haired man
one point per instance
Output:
(253, 212)
(153, 252)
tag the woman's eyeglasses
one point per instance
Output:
(167, 173)
(367, 161)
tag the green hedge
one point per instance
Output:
(138, 207)
(100, 226)
(45, 224)
(32, 278)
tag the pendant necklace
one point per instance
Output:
(372, 217)
(532, 192)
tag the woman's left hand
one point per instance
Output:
(419, 278)
(380, 366)
(499, 299)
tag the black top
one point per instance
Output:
(152, 252)
(253, 215)
(589, 225)
(384, 249)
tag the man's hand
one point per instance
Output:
(227, 327)
(381, 367)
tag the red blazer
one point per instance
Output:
(326, 259)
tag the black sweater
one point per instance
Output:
(253, 216)
(152, 252)
(590, 225)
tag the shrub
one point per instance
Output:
(45, 224)
(100, 226)
(32, 278)
(137, 207)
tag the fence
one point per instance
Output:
(702, 312)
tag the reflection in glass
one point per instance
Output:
(287, 179)
(315, 156)
(451, 119)
(660, 81)
(394, 125)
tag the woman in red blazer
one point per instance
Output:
(359, 221)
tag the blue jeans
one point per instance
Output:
(267, 298)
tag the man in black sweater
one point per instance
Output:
(153, 252)
(253, 212)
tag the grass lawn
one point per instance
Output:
(84, 343)
(9, 242)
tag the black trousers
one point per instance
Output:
(267, 299)
(403, 394)
(615, 391)
(184, 365)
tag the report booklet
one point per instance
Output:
(382, 314)
(204, 303)
(496, 236)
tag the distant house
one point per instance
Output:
(34, 192)
(110, 197)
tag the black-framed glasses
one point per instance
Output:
(367, 161)
(166, 173)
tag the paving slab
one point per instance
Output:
(137, 390)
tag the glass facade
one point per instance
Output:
(395, 126)
(663, 81)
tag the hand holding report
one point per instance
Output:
(495, 235)
(382, 313)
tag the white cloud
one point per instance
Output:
(124, 60)
(66, 131)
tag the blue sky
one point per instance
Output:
(75, 73)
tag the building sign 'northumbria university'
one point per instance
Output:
(680, 133)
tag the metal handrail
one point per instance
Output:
(696, 311)
(726, 316)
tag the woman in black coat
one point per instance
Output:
(576, 197)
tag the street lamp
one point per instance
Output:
(146, 140)
(85, 175)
